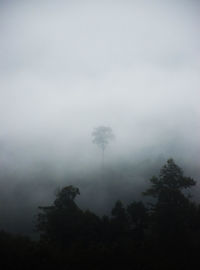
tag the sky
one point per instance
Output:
(67, 67)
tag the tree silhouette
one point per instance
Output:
(163, 236)
(61, 222)
(170, 210)
(119, 221)
(101, 137)
(65, 197)
(138, 219)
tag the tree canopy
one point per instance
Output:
(102, 135)
(171, 178)
(144, 237)
(170, 211)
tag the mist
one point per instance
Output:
(67, 68)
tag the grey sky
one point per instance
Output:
(69, 66)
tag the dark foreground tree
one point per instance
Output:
(170, 211)
(64, 224)
(119, 221)
(60, 223)
(138, 219)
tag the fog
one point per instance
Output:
(67, 67)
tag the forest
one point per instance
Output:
(162, 232)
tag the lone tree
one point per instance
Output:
(101, 137)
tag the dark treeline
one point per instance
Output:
(161, 234)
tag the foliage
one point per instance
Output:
(170, 179)
(164, 236)
(170, 211)
(102, 135)
(60, 221)
(66, 196)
